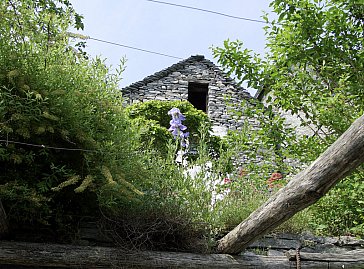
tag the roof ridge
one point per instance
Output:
(165, 72)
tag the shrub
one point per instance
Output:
(341, 211)
(68, 147)
(61, 120)
(153, 116)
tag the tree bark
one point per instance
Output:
(3, 222)
(354, 256)
(306, 188)
(36, 255)
(53, 256)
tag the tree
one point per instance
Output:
(314, 63)
(314, 66)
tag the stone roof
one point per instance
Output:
(181, 65)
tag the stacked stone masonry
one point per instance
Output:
(173, 82)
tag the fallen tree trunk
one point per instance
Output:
(18, 254)
(356, 256)
(340, 159)
(54, 256)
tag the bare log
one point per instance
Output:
(37, 255)
(354, 256)
(55, 256)
(306, 188)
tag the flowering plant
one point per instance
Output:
(177, 127)
(275, 181)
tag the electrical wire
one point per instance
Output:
(134, 48)
(85, 37)
(159, 53)
(46, 147)
(208, 11)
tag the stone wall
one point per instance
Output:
(294, 120)
(172, 84)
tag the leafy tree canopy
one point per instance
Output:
(314, 64)
(314, 69)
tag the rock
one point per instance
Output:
(276, 243)
(350, 241)
(273, 252)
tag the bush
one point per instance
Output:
(157, 110)
(68, 147)
(152, 115)
(62, 124)
(341, 212)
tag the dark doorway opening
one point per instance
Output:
(198, 95)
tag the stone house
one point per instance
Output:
(297, 121)
(203, 84)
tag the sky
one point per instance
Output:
(166, 29)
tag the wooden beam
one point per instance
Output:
(54, 256)
(353, 256)
(306, 188)
(36, 255)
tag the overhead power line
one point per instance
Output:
(85, 37)
(44, 146)
(208, 11)
(134, 48)
(80, 36)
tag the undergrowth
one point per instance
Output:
(69, 149)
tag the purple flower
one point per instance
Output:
(177, 127)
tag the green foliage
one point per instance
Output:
(69, 149)
(157, 111)
(314, 63)
(341, 211)
(61, 119)
(153, 134)
(153, 116)
(28, 205)
(314, 70)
